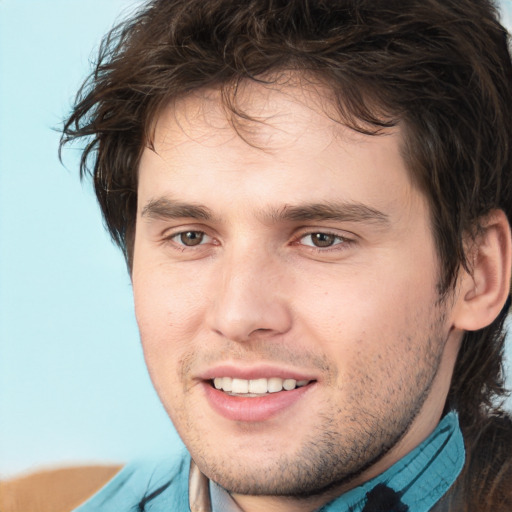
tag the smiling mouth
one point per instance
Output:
(256, 387)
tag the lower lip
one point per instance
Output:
(255, 409)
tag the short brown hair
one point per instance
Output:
(439, 67)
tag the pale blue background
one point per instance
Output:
(73, 385)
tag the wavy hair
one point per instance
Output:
(439, 67)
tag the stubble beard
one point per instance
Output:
(331, 457)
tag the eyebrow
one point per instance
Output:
(165, 208)
(342, 212)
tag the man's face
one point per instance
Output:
(290, 264)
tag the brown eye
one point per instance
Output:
(191, 238)
(323, 239)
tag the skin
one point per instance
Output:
(361, 317)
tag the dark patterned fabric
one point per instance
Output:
(384, 499)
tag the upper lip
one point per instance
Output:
(262, 371)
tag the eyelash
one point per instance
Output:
(338, 240)
(183, 246)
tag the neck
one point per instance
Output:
(416, 483)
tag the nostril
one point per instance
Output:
(260, 331)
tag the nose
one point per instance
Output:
(249, 298)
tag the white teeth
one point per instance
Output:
(256, 386)
(240, 386)
(289, 384)
(227, 383)
(274, 385)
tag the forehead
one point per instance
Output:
(281, 136)
(262, 115)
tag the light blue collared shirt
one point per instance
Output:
(415, 483)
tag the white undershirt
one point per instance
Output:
(221, 499)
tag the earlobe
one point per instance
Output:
(484, 291)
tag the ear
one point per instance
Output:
(482, 292)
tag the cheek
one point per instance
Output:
(167, 303)
(368, 316)
(167, 316)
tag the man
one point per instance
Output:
(314, 202)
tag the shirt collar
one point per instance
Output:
(415, 483)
